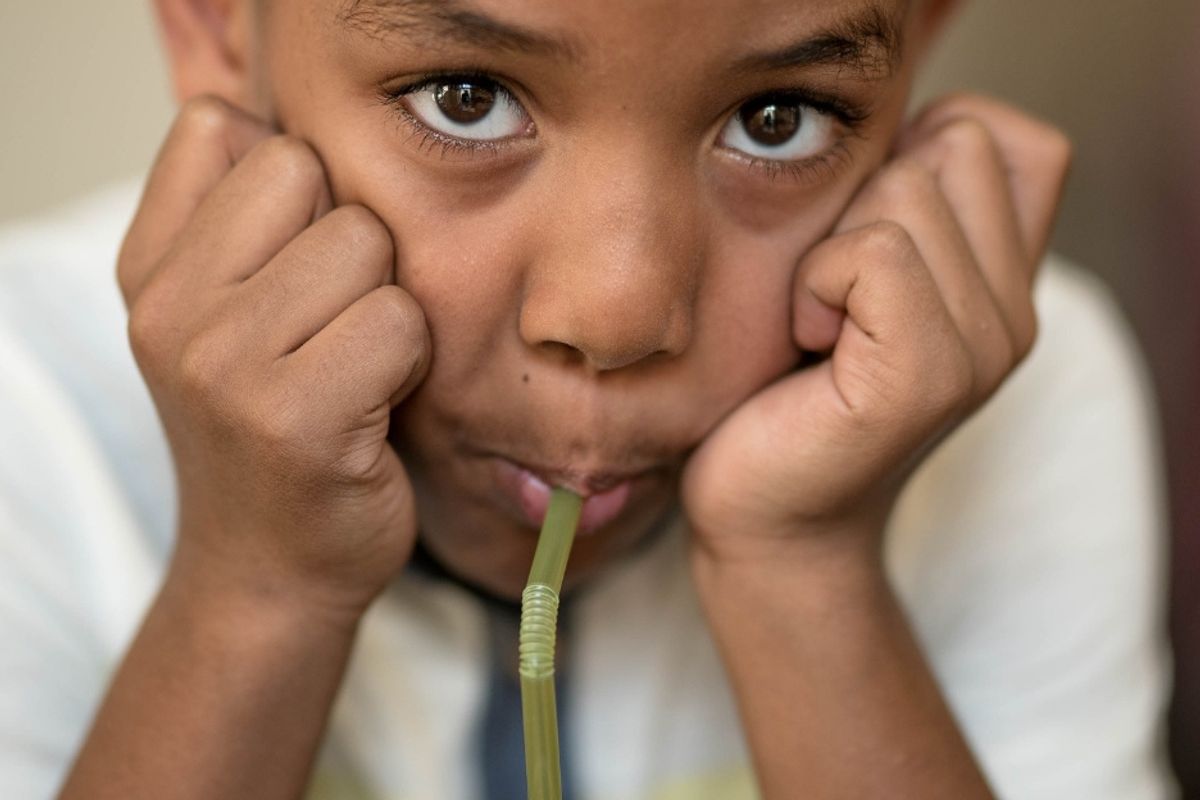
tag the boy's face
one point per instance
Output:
(600, 205)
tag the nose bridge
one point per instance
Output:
(617, 282)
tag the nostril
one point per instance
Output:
(606, 321)
(612, 344)
(561, 351)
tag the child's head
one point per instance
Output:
(599, 205)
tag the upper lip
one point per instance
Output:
(584, 481)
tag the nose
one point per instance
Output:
(615, 282)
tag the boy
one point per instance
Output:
(402, 265)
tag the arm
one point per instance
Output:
(833, 690)
(219, 696)
(923, 297)
(275, 345)
(1036, 597)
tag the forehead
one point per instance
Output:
(861, 33)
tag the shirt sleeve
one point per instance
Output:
(48, 670)
(1029, 553)
(71, 577)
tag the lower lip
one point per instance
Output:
(532, 495)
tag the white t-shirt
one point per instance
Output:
(1027, 551)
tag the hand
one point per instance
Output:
(923, 293)
(275, 345)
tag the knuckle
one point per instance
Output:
(205, 116)
(940, 108)
(147, 329)
(370, 238)
(290, 159)
(284, 430)
(403, 326)
(1006, 355)
(399, 316)
(993, 340)
(904, 182)
(961, 98)
(952, 383)
(1057, 145)
(886, 240)
(1025, 334)
(202, 369)
(968, 138)
(354, 467)
(995, 369)
(279, 424)
(128, 267)
(911, 173)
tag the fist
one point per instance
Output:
(275, 345)
(917, 307)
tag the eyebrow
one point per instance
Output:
(439, 20)
(869, 42)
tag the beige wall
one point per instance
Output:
(83, 97)
(83, 100)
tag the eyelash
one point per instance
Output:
(428, 138)
(850, 117)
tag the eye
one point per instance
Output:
(779, 128)
(475, 109)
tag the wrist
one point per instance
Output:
(809, 579)
(810, 634)
(848, 545)
(835, 568)
(243, 600)
(223, 693)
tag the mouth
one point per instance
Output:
(605, 493)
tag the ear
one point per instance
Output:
(208, 45)
(932, 17)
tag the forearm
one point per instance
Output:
(217, 697)
(835, 696)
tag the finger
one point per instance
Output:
(276, 191)
(907, 194)
(208, 138)
(1036, 155)
(318, 275)
(970, 173)
(371, 356)
(815, 325)
(894, 312)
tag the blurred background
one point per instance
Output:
(84, 100)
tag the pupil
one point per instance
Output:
(464, 103)
(771, 123)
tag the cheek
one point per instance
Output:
(458, 251)
(745, 307)
(743, 315)
(465, 244)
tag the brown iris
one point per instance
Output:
(464, 103)
(770, 122)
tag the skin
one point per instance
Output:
(337, 316)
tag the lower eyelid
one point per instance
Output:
(812, 169)
(446, 147)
